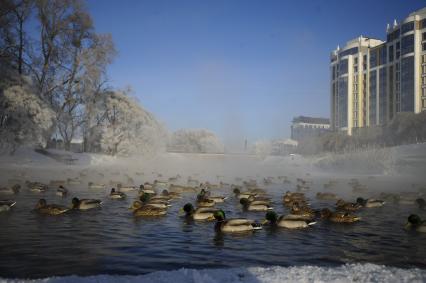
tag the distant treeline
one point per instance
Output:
(404, 128)
(53, 81)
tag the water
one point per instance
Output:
(111, 241)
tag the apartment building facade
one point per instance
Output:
(372, 80)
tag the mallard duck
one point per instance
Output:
(61, 191)
(205, 202)
(422, 203)
(348, 206)
(122, 188)
(5, 205)
(416, 223)
(254, 206)
(236, 225)
(302, 210)
(37, 187)
(116, 195)
(201, 213)
(171, 195)
(369, 203)
(149, 210)
(85, 204)
(326, 196)
(339, 216)
(290, 222)
(51, 209)
(159, 202)
(74, 181)
(94, 186)
(241, 195)
(10, 191)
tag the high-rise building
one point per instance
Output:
(372, 80)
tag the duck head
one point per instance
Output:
(112, 190)
(325, 213)
(141, 187)
(413, 220)
(144, 198)
(236, 191)
(421, 202)
(219, 215)
(245, 202)
(136, 205)
(188, 208)
(75, 202)
(41, 203)
(271, 216)
(361, 201)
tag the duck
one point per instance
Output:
(146, 189)
(85, 204)
(50, 209)
(422, 203)
(10, 191)
(171, 195)
(94, 186)
(5, 205)
(159, 203)
(235, 225)
(241, 195)
(122, 188)
(369, 203)
(116, 195)
(339, 216)
(290, 222)
(416, 223)
(148, 210)
(61, 191)
(205, 202)
(255, 205)
(201, 213)
(302, 211)
(37, 187)
(326, 196)
(347, 206)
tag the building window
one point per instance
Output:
(356, 60)
(423, 23)
(407, 44)
(391, 53)
(424, 46)
(407, 27)
(424, 58)
(424, 92)
(424, 36)
(373, 59)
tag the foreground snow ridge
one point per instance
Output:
(345, 273)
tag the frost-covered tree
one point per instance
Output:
(128, 128)
(196, 141)
(24, 118)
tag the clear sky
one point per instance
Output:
(242, 69)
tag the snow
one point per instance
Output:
(345, 273)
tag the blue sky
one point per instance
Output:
(242, 69)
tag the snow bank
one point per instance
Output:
(345, 273)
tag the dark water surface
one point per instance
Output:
(111, 241)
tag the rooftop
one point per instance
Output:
(311, 120)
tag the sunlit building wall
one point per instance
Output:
(372, 80)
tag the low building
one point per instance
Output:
(303, 127)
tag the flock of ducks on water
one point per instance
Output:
(250, 196)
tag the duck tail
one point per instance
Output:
(256, 226)
(312, 223)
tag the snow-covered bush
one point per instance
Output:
(195, 141)
(24, 118)
(128, 128)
